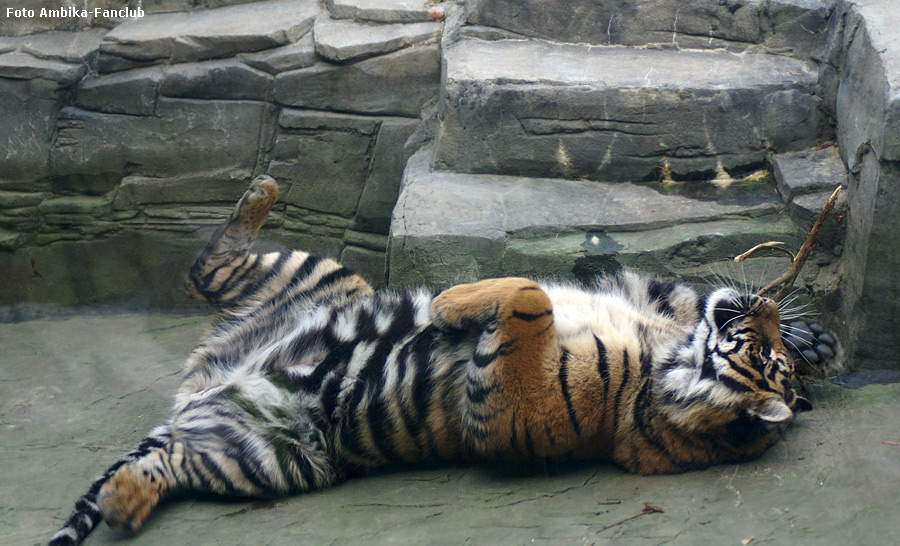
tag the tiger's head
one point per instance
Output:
(749, 355)
(736, 371)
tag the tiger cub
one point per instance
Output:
(307, 374)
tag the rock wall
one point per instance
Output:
(861, 78)
(127, 140)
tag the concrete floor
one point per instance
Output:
(77, 392)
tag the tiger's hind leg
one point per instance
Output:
(512, 399)
(228, 444)
(226, 265)
(88, 513)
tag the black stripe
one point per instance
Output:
(659, 293)
(329, 279)
(733, 384)
(273, 271)
(744, 372)
(482, 360)
(564, 385)
(381, 424)
(208, 278)
(701, 306)
(476, 394)
(646, 363)
(550, 438)
(644, 425)
(621, 390)
(530, 317)
(411, 419)
(708, 368)
(329, 397)
(242, 452)
(198, 479)
(602, 362)
(529, 442)
(276, 305)
(214, 469)
(423, 384)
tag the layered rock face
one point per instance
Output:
(125, 145)
(666, 135)
(554, 139)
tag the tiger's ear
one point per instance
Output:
(802, 404)
(772, 410)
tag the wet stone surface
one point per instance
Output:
(75, 393)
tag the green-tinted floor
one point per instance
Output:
(76, 393)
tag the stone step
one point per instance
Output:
(449, 228)
(536, 108)
(206, 34)
(791, 27)
(806, 180)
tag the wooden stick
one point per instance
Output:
(775, 245)
(787, 279)
(648, 509)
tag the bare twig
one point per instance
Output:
(648, 509)
(775, 245)
(803, 253)
(786, 280)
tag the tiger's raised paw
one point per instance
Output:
(489, 301)
(253, 208)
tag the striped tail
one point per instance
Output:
(87, 513)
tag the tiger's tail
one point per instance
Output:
(87, 512)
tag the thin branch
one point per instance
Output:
(648, 509)
(775, 245)
(787, 279)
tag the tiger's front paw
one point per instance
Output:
(128, 497)
(253, 208)
(815, 350)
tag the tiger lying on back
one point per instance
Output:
(308, 373)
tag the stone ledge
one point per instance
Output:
(22, 66)
(342, 41)
(132, 92)
(399, 84)
(207, 34)
(68, 47)
(808, 171)
(220, 79)
(535, 108)
(784, 26)
(378, 11)
(300, 54)
(450, 227)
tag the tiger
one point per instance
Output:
(307, 374)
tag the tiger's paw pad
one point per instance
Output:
(815, 350)
(253, 208)
(128, 497)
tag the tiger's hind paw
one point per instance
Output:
(253, 208)
(476, 305)
(128, 497)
